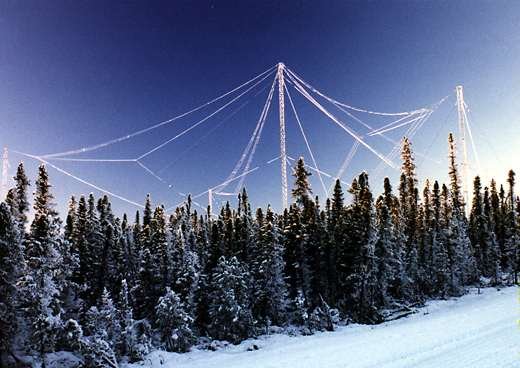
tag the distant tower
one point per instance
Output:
(5, 174)
(210, 202)
(283, 153)
(461, 109)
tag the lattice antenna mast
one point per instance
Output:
(210, 202)
(461, 109)
(283, 153)
(5, 174)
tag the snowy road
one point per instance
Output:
(475, 331)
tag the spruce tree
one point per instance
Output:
(441, 268)
(11, 269)
(408, 194)
(20, 204)
(185, 268)
(143, 291)
(94, 245)
(174, 323)
(229, 310)
(302, 189)
(269, 291)
(103, 321)
(40, 289)
(126, 320)
(490, 253)
(361, 280)
(512, 236)
(335, 221)
(71, 219)
(159, 251)
(386, 261)
(426, 237)
(408, 198)
(477, 224)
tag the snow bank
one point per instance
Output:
(477, 331)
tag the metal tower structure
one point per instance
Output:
(283, 153)
(210, 202)
(5, 173)
(461, 106)
(411, 121)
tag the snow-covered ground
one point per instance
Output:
(477, 331)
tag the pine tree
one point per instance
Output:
(490, 252)
(408, 198)
(245, 230)
(126, 320)
(185, 268)
(269, 291)
(229, 311)
(11, 269)
(336, 239)
(302, 189)
(128, 262)
(136, 233)
(459, 245)
(159, 252)
(174, 323)
(71, 219)
(143, 291)
(512, 236)
(40, 288)
(478, 224)
(20, 205)
(293, 246)
(96, 352)
(408, 194)
(386, 260)
(397, 278)
(361, 280)
(93, 248)
(103, 322)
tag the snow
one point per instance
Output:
(477, 331)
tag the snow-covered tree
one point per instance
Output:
(302, 189)
(229, 311)
(41, 303)
(270, 292)
(174, 323)
(11, 269)
(18, 201)
(103, 321)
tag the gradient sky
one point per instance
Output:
(77, 73)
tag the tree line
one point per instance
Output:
(111, 289)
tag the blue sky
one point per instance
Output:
(74, 74)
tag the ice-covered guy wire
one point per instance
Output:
(316, 170)
(297, 77)
(145, 130)
(263, 118)
(297, 83)
(94, 186)
(346, 162)
(320, 107)
(473, 145)
(247, 149)
(306, 140)
(396, 148)
(203, 137)
(200, 121)
(157, 174)
(402, 116)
